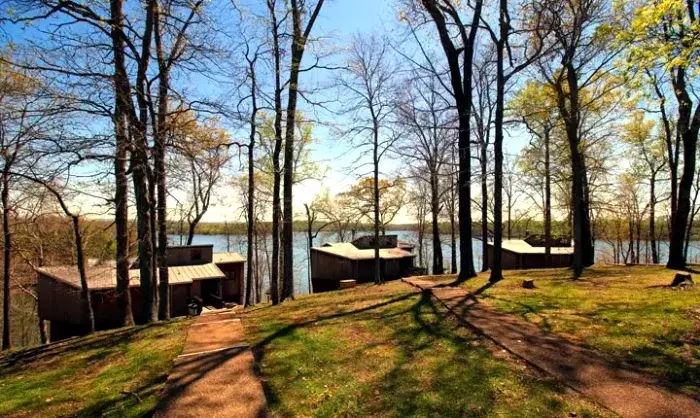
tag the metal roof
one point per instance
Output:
(349, 251)
(521, 247)
(226, 258)
(105, 277)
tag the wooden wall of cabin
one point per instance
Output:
(509, 259)
(513, 261)
(179, 297)
(326, 266)
(233, 285)
(406, 266)
(194, 254)
(57, 301)
(391, 269)
(365, 271)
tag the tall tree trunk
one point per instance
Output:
(483, 160)
(691, 217)
(497, 262)
(438, 264)
(652, 220)
(84, 290)
(509, 223)
(276, 209)
(123, 93)
(453, 232)
(375, 199)
(251, 190)
(638, 226)
(162, 259)
(258, 284)
(631, 242)
(569, 107)
(276, 215)
(288, 178)
(547, 204)
(688, 127)
(421, 229)
(7, 260)
(159, 169)
(672, 149)
(466, 257)
(144, 232)
(299, 39)
(582, 230)
(686, 242)
(121, 219)
(461, 82)
(154, 236)
(191, 229)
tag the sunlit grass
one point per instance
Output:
(111, 373)
(389, 351)
(627, 312)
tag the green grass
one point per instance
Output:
(111, 373)
(389, 351)
(627, 312)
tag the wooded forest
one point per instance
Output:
(124, 122)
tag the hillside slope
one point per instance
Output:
(110, 373)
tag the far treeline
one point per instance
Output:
(555, 117)
(605, 229)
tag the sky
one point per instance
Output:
(342, 160)
(345, 163)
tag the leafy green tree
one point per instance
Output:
(578, 70)
(663, 35)
(391, 199)
(649, 159)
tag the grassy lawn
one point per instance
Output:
(111, 373)
(625, 311)
(389, 351)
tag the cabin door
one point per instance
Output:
(211, 292)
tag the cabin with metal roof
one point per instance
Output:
(334, 262)
(195, 273)
(529, 253)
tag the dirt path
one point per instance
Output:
(214, 377)
(627, 392)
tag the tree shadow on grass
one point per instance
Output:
(427, 346)
(99, 340)
(100, 349)
(115, 406)
(259, 349)
(465, 373)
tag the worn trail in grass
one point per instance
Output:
(390, 351)
(112, 373)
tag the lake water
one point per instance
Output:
(238, 244)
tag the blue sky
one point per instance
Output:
(338, 22)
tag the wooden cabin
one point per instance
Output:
(195, 273)
(333, 262)
(530, 253)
